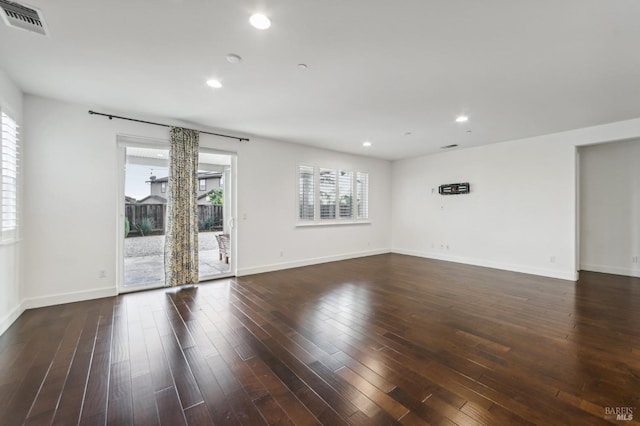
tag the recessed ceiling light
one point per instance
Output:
(366, 144)
(303, 66)
(214, 83)
(462, 119)
(449, 146)
(407, 133)
(232, 58)
(259, 21)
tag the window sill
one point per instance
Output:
(333, 223)
(9, 242)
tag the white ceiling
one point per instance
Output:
(376, 69)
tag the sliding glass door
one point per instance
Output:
(215, 257)
(145, 207)
(142, 216)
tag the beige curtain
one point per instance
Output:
(181, 242)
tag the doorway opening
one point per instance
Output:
(143, 208)
(608, 207)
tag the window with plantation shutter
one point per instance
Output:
(9, 153)
(332, 196)
(328, 194)
(306, 193)
(345, 193)
(362, 188)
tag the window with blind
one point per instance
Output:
(345, 188)
(328, 192)
(362, 190)
(306, 193)
(332, 195)
(9, 154)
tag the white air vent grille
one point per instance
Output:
(24, 17)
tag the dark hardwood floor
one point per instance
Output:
(379, 340)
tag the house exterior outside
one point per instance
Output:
(207, 182)
(152, 199)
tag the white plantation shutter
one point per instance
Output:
(332, 196)
(328, 192)
(362, 188)
(345, 188)
(306, 193)
(9, 153)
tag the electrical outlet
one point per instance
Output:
(552, 259)
(634, 259)
(281, 253)
(447, 246)
(102, 273)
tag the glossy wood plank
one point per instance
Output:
(169, 409)
(96, 392)
(387, 339)
(71, 400)
(198, 415)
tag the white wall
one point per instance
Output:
(267, 187)
(521, 213)
(610, 208)
(71, 203)
(10, 298)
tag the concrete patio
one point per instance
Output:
(144, 259)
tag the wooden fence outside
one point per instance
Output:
(210, 217)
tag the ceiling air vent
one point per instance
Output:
(24, 17)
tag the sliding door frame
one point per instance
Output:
(230, 222)
(127, 141)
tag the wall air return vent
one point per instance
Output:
(17, 15)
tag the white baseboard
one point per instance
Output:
(75, 296)
(563, 275)
(616, 270)
(307, 262)
(54, 299)
(9, 318)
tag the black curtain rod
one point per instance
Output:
(111, 117)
